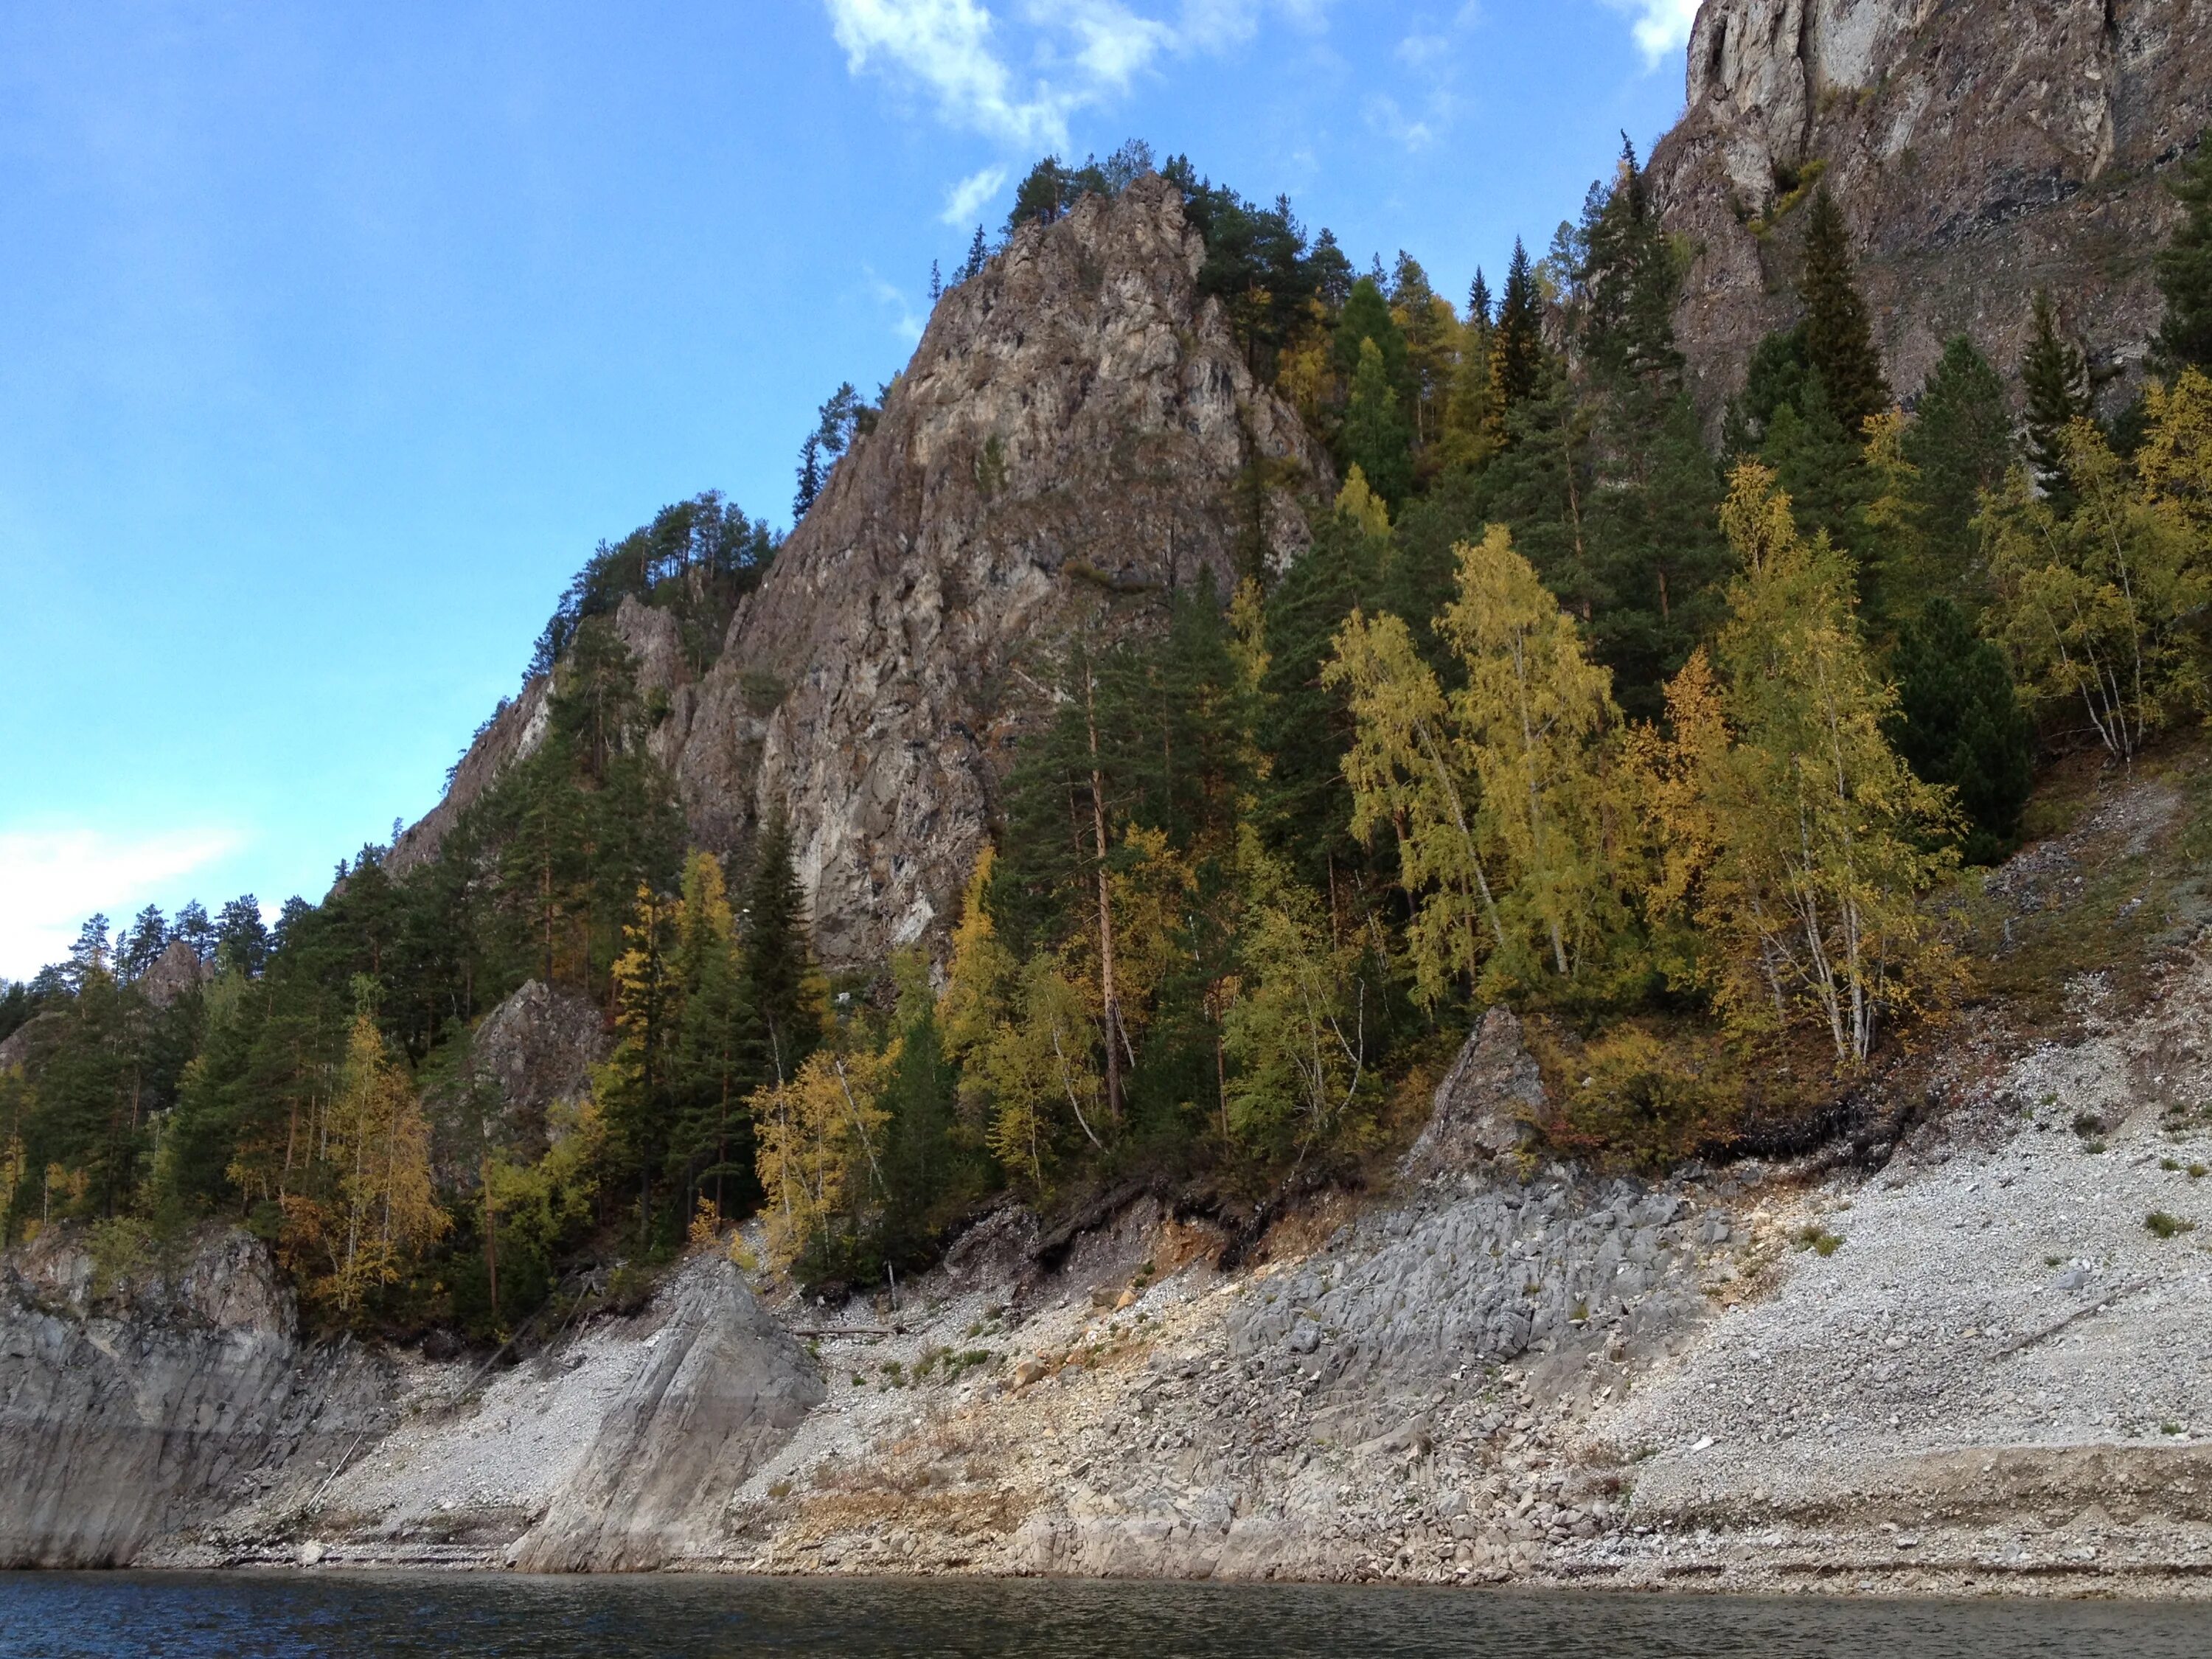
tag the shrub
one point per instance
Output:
(2165, 1226)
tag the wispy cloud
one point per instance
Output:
(1388, 116)
(52, 880)
(1019, 82)
(1661, 27)
(963, 200)
(904, 323)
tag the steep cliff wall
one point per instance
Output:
(1979, 149)
(1068, 441)
(1076, 435)
(130, 1409)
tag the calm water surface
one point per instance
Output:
(65, 1615)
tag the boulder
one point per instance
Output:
(722, 1387)
(1485, 1105)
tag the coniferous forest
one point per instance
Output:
(1686, 742)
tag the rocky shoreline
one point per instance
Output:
(1995, 1379)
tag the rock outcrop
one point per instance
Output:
(176, 972)
(1980, 150)
(1076, 436)
(1485, 1106)
(722, 1388)
(527, 1057)
(130, 1409)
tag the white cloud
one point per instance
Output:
(52, 880)
(1072, 54)
(1387, 116)
(1662, 27)
(946, 46)
(904, 324)
(962, 201)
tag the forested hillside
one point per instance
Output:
(1689, 755)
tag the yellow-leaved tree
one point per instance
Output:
(1797, 838)
(818, 1143)
(1298, 1025)
(372, 1209)
(1040, 1067)
(633, 1084)
(1499, 792)
(2096, 604)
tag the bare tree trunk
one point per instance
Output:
(1109, 1004)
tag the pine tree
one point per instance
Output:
(1375, 438)
(1960, 726)
(2056, 379)
(1516, 346)
(780, 983)
(2184, 268)
(1960, 440)
(1838, 335)
(979, 255)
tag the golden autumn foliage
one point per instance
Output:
(1496, 791)
(1795, 838)
(2096, 605)
(372, 1210)
(818, 1140)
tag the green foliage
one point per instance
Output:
(1838, 335)
(1376, 438)
(1960, 440)
(2055, 377)
(2184, 268)
(1959, 725)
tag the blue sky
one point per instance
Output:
(333, 337)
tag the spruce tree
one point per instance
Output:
(1959, 723)
(1516, 346)
(1375, 437)
(2184, 268)
(920, 1097)
(1367, 317)
(1774, 380)
(778, 981)
(2056, 379)
(810, 476)
(1960, 440)
(1820, 467)
(1839, 336)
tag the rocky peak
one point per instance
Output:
(1980, 149)
(1077, 435)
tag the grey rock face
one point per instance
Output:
(1073, 438)
(127, 1412)
(1408, 1294)
(1980, 149)
(723, 1387)
(176, 972)
(1483, 1107)
(1077, 435)
(535, 1051)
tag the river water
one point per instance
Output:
(246, 1616)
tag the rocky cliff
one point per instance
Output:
(138, 1399)
(1980, 149)
(1077, 435)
